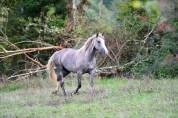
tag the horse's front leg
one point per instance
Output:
(79, 75)
(91, 77)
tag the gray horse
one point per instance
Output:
(79, 61)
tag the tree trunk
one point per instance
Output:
(169, 9)
(42, 25)
(70, 18)
(80, 9)
(100, 7)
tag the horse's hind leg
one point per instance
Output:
(60, 80)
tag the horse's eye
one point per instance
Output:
(99, 41)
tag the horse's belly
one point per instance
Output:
(69, 64)
(70, 67)
(86, 70)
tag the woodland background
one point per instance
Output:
(141, 35)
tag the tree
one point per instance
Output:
(70, 18)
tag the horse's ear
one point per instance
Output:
(97, 34)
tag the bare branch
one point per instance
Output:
(36, 42)
(153, 28)
(16, 47)
(25, 74)
(28, 50)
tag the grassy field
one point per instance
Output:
(114, 98)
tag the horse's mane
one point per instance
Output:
(88, 43)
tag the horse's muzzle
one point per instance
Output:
(104, 52)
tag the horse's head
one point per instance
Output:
(99, 44)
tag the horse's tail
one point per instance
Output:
(50, 68)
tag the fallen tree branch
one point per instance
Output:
(104, 71)
(25, 74)
(6, 39)
(24, 51)
(35, 42)
(113, 70)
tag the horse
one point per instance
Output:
(79, 61)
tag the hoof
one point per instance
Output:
(54, 92)
(76, 93)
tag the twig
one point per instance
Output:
(118, 55)
(113, 54)
(153, 28)
(102, 61)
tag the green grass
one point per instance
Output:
(113, 98)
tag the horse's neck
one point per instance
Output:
(89, 53)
